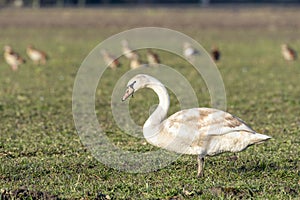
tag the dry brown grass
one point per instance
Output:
(272, 18)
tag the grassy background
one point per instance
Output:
(41, 151)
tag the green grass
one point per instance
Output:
(40, 149)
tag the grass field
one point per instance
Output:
(41, 154)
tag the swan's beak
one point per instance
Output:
(129, 92)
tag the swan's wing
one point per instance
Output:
(205, 131)
(206, 121)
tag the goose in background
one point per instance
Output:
(288, 53)
(110, 60)
(12, 58)
(215, 53)
(127, 51)
(135, 62)
(153, 58)
(37, 56)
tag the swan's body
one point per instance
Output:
(288, 53)
(110, 60)
(37, 56)
(202, 131)
(12, 58)
(196, 131)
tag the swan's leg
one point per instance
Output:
(200, 166)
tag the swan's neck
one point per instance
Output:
(161, 111)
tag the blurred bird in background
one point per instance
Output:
(153, 58)
(135, 62)
(110, 60)
(127, 51)
(188, 51)
(288, 53)
(12, 58)
(37, 56)
(215, 53)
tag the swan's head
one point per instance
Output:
(137, 82)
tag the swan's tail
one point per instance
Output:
(258, 138)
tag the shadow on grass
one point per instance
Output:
(231, 192)
(23, 193)
(257, 167)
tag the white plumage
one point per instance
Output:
(196, 131)
(188, 51)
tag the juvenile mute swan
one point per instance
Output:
(195, 131)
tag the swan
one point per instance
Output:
(196, 131)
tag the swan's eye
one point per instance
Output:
(132, 84)
(129, 92)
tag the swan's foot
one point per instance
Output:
(200, 174)
(200, 166)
